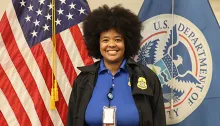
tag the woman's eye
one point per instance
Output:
(105, 40)
(118, 40)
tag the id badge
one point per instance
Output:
(109, 116)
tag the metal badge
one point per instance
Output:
(129, 82)
(142, 83)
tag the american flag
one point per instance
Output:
(26, 64)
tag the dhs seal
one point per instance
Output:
(181, 58)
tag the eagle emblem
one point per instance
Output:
(163, 58)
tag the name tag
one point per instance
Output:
(109, 116)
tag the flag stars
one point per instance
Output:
(58, 22)
(48, 16)
(22, 3)
(50, 6)
(69, 16)
(37, 23)
(30, 8)
(28, 18)
(63, 2)
(60, 11)
(41, 1)
(82, 11)
(34, 33)
(39, 12)
(72, 6)
(46, 27)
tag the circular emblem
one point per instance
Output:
(180, 56)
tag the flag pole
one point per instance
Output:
(171, 93)
(54, 53)
(54, 88)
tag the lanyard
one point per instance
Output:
(110, 96)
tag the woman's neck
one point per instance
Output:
(113, 66)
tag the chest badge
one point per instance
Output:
(129, 82)
(142, 83)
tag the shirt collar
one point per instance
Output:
(103, 68)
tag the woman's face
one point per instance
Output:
(112, 46)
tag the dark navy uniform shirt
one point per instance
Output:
(126, 111)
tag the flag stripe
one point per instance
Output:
(80, 25)
(46, 71)
(12, 103)
(3, 121)
(80, 43)
(31, 75)
(62, 108)
(63, 83)
(61, 77)
(16, 56)
(33, 66)
(72, 50)
(65, 59)
(17, 84)
(1, 25)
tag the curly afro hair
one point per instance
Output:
(103, 19)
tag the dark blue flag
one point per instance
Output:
(183, 50)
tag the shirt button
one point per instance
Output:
(113, 78)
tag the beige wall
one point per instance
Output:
(134, 5)
(3, 5)
(216, 8)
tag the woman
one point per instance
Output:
(116, 82)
